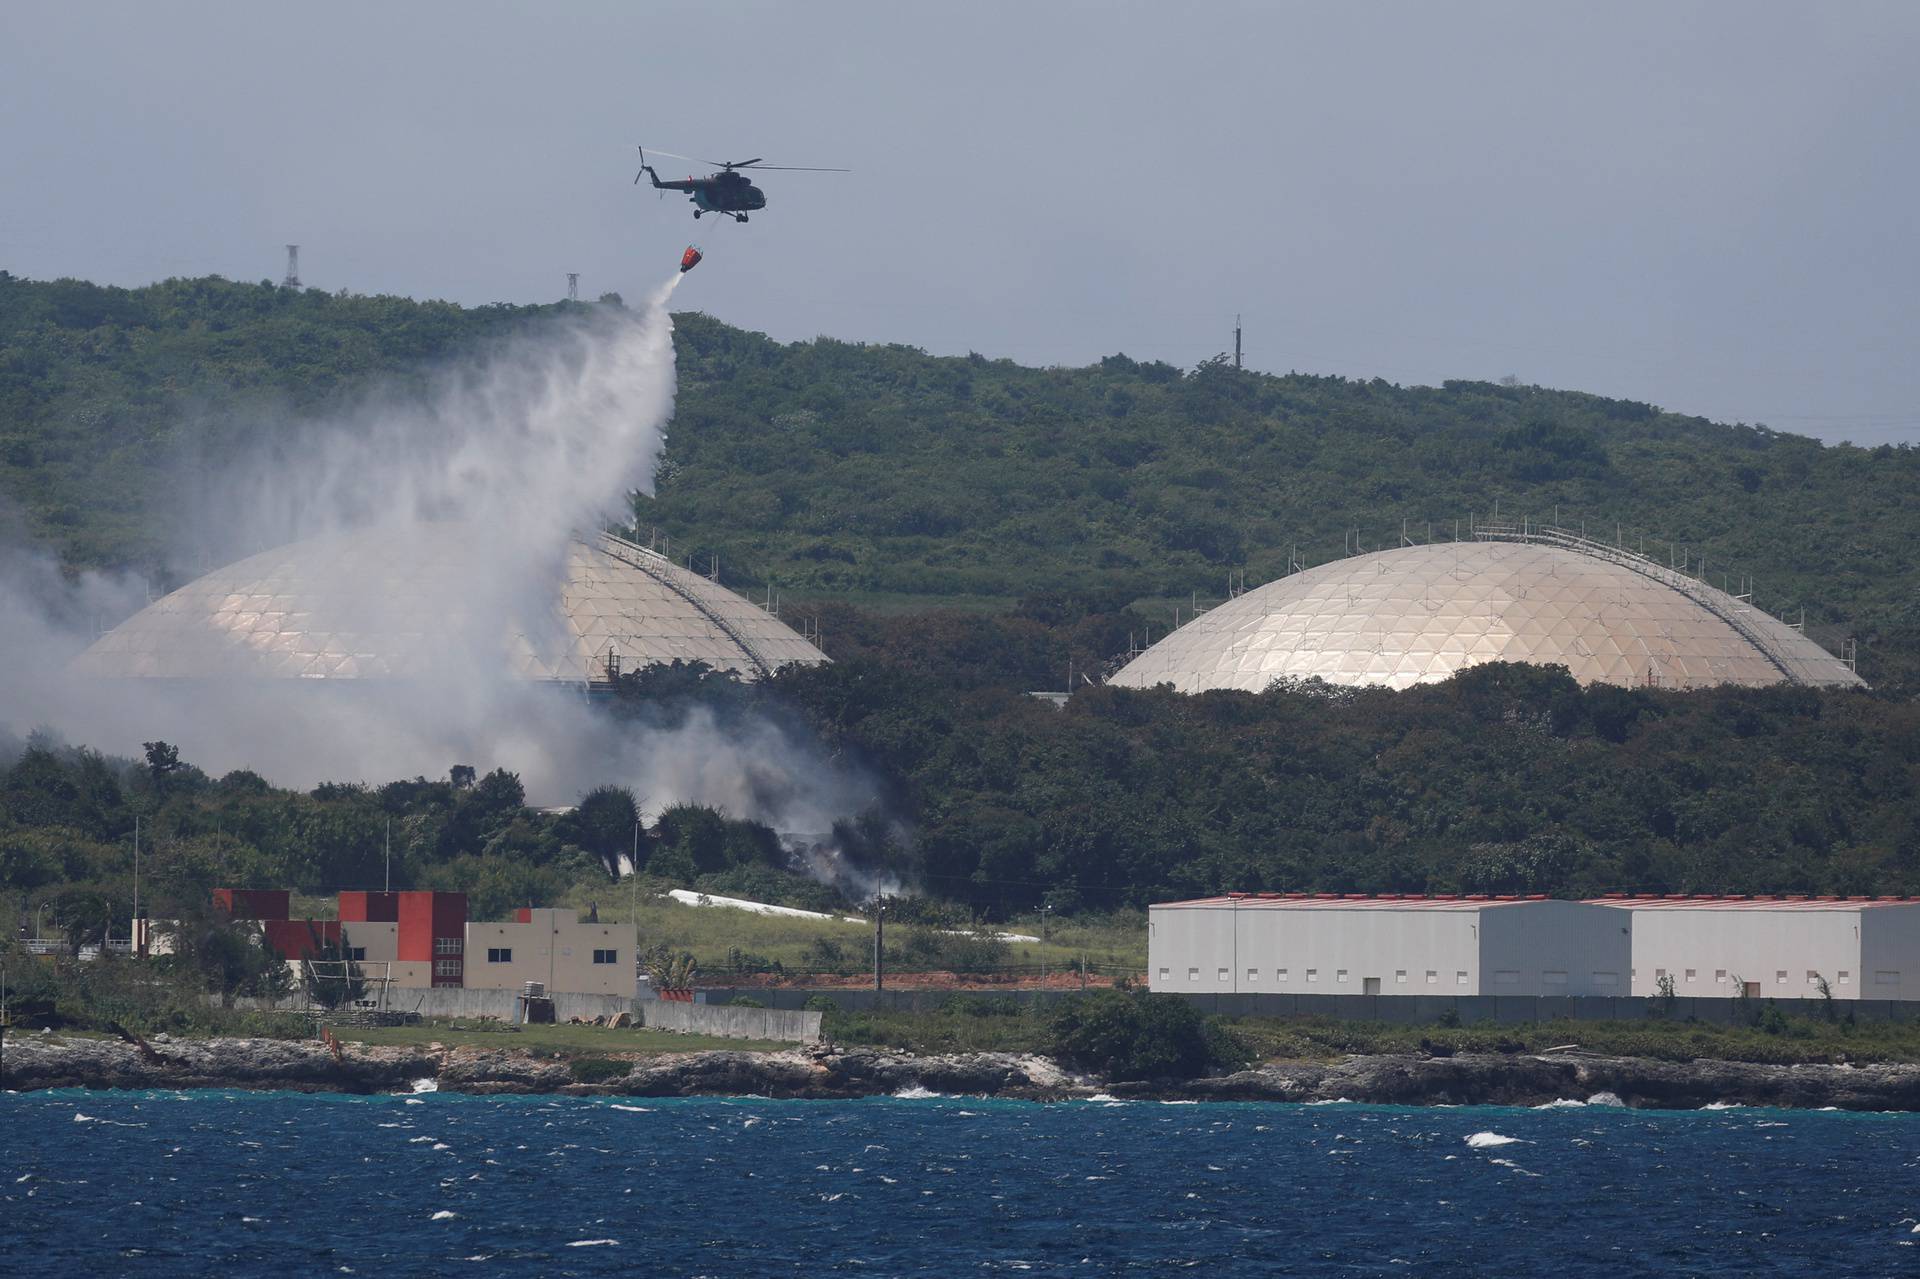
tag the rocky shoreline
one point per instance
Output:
(36, 1062)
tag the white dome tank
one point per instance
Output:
(1418, 614)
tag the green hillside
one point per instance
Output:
(876, 472)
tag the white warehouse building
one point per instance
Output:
(1331, 944)
(1776, 947)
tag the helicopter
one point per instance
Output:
(729, 191)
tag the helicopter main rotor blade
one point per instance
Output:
(796, 168)
(696, 159)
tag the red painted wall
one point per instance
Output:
(297, 938)
(370, 908)
(427, 918)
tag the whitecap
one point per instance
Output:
(1179, 1103)
(638, 1110)
(1332, 1101)
(1103, 1096)
(1508, 1163)
(1604, 1098)
(594, 1243)
(414, 1141)
(1564, 1103)
(914, 1092)
(443, 1215)
(426, 1083)
(1721, 1105)
(441, 1145)
(414, 1101)
(1482, 1140)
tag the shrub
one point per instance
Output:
(598, 1070)
(821, 1004)
(746, 1001)
(1138, 1036)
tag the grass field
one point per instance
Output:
(712, 932)
(559, 1040)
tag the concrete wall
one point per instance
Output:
(1400, 1009)
(1554, 948)
(552, 947)
(1705, 950)
(450, 1001)
(729, 1022)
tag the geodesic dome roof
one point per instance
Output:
(384, 604)
(1418, 614)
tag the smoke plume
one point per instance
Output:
(537, 436)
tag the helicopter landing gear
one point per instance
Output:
(697, 213)
(743, 217)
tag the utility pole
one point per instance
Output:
(1045, 910)
(139, 933)
(1236, 341)
(387, 841)
(633, 878)
(293, 268)
(573, 286)
(879, 942)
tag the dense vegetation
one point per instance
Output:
(848, 471)
(1084, 495)
(1505, 779)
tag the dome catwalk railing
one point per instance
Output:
(1715, 602)
(665, 572)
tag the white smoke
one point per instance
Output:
(540, 435)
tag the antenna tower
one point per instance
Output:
(573, 286)
(293, 268)
(1236, 341)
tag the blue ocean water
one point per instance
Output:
(280, 1184)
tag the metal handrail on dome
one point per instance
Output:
(637, 556)
(1694, 589)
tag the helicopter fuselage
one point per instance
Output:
(724, 192)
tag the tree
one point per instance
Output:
(163, 761)
(604, 823)
(461, 775)
(228, 955)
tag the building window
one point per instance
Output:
(448, 946)
(1279, 974)
(1221, 975)
(1166, 974)
(1313, 974)
(1460, 977)
(1605, 979)
(1813, 978)
(1658, 973)
(446, 968)
(1720, 976)
(499, 954)
(1340, 975)
(1886, 978)
(1433, 977)
(606, 956)
(1845, 976)
(1506, 977)
(1400, 976)
(1690, 974)
(1193, 974)
(1253, 974)
(1553, 977)
(1780, 976)
(357, 954)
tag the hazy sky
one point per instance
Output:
(1708, 206)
